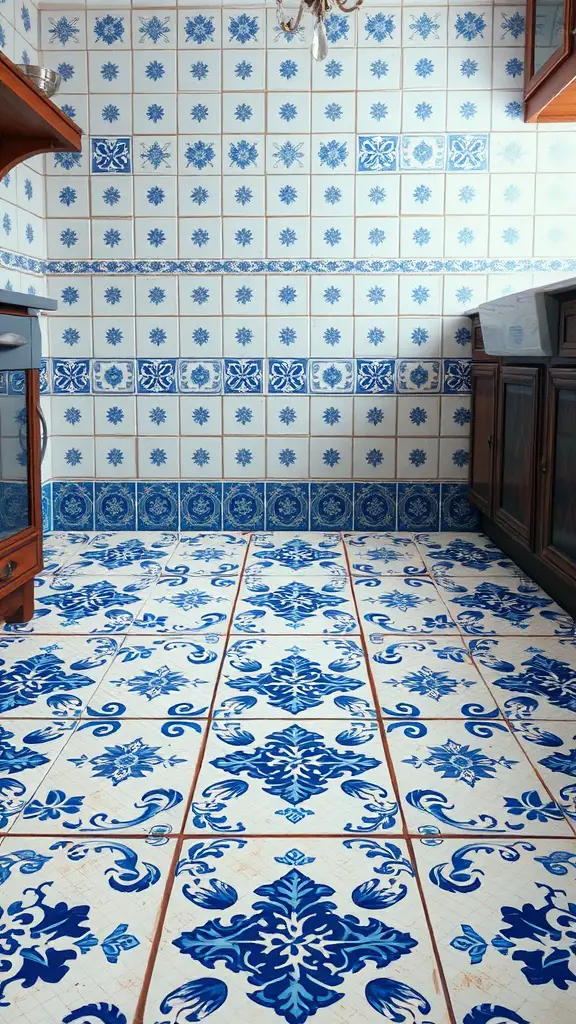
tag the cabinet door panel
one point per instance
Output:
(558, 519)
(548, 38)
(516, 455)
(484, 384)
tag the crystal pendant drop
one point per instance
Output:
(319, 41)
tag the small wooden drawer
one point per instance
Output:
(567, 340)
(16, 564)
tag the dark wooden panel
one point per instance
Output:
(483, 429)
(517, 450)
(558, 473)
(567, 339)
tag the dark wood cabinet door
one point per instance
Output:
(558, 473)
(484, 389)
(516, 454)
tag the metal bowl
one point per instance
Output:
(43, 78)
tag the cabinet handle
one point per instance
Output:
(43, 432)
(544, 466)
(490, 441)
(10, 340)
(8, 570)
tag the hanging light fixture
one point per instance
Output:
(319, 9)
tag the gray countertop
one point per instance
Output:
(9, 298)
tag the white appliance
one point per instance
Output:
(521, 324)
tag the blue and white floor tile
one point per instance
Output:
(496, 606)
(529, 680)
(185, 604)
(114, 776)
(427, 678)
(273, 729)
(469, 777)
(208, 554)
(306, 554)
(280, 677)
(153, 677)
(278, 604)
(122, 554)
(464, 554)
(84, 604)
(61, 548)
(79, 917)
(281, 932)
(401, 605)
(383, 554)
(52, 677)
(316, 777)
(502, 911)
(551, 746)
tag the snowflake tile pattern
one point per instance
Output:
(294, 768)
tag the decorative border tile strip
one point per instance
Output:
(251, 505)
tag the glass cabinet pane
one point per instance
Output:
(516, 453)
(548, 24)
(14, 484)
(563, 536)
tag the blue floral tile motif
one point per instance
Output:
(418, 506)
(73, 505)
(296, 883)
(121, 553)
(478, 891)
(499, 605)
(115, 507)
(287, 506)
(374, 506)
(180, 604)
(331, 506)
(278, 678)
(113, 375)
(243, 506)
(64, 30)
(551, 748)
(84, 605)
(307, 554)
(468, 152)
(422, 152)
(27, 752)
(480, 782)
(108, 29)
(457, 376)
(374, 376)
(530, 681)
(200, 506)
(331, 376)
(243, 28)
(243, 376)
(70, 376)
(275, 777)
(157, 505)
(161, 679)
(111, 156)
(383, 554)
(48, 680)
(428, 678)
(200, 376)
(126, 780)
(156, 376)
(207, 554)
(469, 25)
(421, 375)
(287, 376)
(46, 507)
(454, 554)
(401, 604)
(377, 153)
(87, 937)
(456, 512)
(317, 606)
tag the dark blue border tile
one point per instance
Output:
(157, 507)
(287, 506)
(374, 506)
(244, 506)
(200, 506)
(418, 506)
(456, 512)
(115, 507)
(73, 505)
(331, 506)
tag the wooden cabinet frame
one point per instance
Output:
(558, 379)
(527, 376)
(549, 94)
(480, 371)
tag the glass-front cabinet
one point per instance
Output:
(15, 513)
(558, 469)
(550, 61)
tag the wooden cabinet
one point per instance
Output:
(515, 463)
(22, 441)
(557, 540)
(482, 434)
(550, 61)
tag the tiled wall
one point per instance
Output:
(262, 262)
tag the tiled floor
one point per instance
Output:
(284, 777)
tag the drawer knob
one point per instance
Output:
(10, 340)
(8, 570)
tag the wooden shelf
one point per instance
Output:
(30, 123)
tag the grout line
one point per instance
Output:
(141, 1005)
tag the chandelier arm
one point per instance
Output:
(293, 24)
(348, 10)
